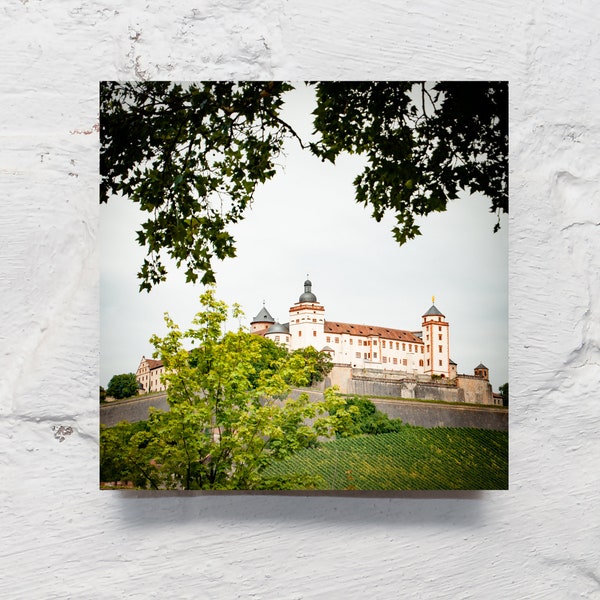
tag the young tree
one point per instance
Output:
(193, 155)
(122, 386)
(230, 414)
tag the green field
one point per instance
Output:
(413, 459)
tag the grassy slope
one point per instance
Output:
(413, 459)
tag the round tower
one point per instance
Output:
(280, 334)
(263, 320)
(436, 338)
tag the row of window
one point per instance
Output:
(427, 337)
(440, 348)
(374, 343)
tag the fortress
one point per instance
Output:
(380, 361)
(368, 360)
(426, 351)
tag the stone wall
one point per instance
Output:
(428, 415)
(468, 389)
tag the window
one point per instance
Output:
(440, 363)
(410, 347)
(404, 362)
(299, 334)
(427, 347)
(384, 359)
(328, 339)
(374, 342)
(422, 349)
(439, 327)
(314, 333)
(383, 344)
(440, 348)
(360, 342)
(421, 363)
(403, 347)
(337, 340)
(374, 354)
(365, 355)
(358, 355)
(351, 341)
(440, 337)
(276, 338)
(395, 361)
(397, 345)
(427, 362)
(314, 320)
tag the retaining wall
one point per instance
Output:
(438, 415)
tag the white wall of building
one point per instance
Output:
(63, 538)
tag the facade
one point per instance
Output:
(426, 351)
(149, 375)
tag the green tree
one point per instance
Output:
(102, 394)
(503, 389)
(122, 386)
(368, 419)
(193, 155)
(229, 411)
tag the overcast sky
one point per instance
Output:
(305, 222)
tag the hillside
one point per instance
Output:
(413, 459)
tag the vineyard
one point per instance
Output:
(412, 459)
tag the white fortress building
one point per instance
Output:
(369, 360)
(426, 351)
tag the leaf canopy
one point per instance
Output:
(192, 155)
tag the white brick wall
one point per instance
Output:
(62, 538)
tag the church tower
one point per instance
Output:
(307, 321)
(436, 339)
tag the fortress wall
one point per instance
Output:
(468, 389)
(439, 415)
(475, 389)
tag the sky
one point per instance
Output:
(305, 222)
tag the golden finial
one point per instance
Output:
(432, 299)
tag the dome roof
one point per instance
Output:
(278, 328)
(308, 296)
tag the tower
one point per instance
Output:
(307, 321)
(262, 320)
(482, 371)
(436, 338)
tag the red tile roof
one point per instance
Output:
(154, 364)
(368, 330)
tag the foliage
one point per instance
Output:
(230, 414)
(122, 386)
(123, 459)
(102, 394)
(414, 458)
(503, 389)
(317, 364)
(367, 419)
(193, 155)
